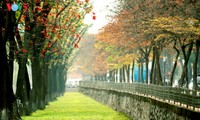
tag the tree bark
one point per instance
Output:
(139, 72)
(132, 71)
(157, 65)
(7, 99)
(146, 53)
(195, 65)
(147, 69)
(127, 70)
(175, 64)
(23, 86)
(121, 75)
(158, 71)
(153, 68)
(142, 72)
(152, 74)
(186, 56)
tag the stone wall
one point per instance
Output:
(140, 107)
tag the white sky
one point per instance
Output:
(101, 9)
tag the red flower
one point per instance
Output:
(56, 15)
(24, 50)
(54, 50)
(8, 6)
(25, 6)
(37, 1)
(31, 42)
(79, 16)
(16, 52)
(49, 45)
(57, 26)
(75, 45)
(94, 17)
(43, 52)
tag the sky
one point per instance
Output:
(101, 9)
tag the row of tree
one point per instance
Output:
(43, 35)
(158, 38)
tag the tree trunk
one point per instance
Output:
(146, 53)
(190, 69)
(195, 65)
(124, 74)
(127, 70)
(132, 71)
(105, 77)
(23, 86)
(121, 75)
(111, 75)
(7, 99)
(157, 66)
(185, 68)
(38, 84)
(152, 80)
(139, 72)
(158, 71)
(147, 69)
(116, 75)
(50, 88)
(142, 72)
(175, 64)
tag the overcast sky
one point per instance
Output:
(101, 9)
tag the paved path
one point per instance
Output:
(76, 106)
(71, 89)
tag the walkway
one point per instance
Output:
(76, 106)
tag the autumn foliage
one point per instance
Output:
(152, 31)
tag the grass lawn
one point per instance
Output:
(75, 106)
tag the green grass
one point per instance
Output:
(75, 106)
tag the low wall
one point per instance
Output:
(139, 107)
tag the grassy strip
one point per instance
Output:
(75, 106)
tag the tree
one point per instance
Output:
(7, 27)
(145, 25)
(46, 28)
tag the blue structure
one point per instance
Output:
(135, 73)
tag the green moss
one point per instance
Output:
(75, 106)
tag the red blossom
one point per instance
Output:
(94, 17)
(49, 45)
(8, 6)
(24, 50)
(31, 42)
(56, 15)
(37, 1)
(16, 52)
(43, 52)
(79, 16)
(75, 45)
(53, 50)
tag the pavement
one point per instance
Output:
(71, 89)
